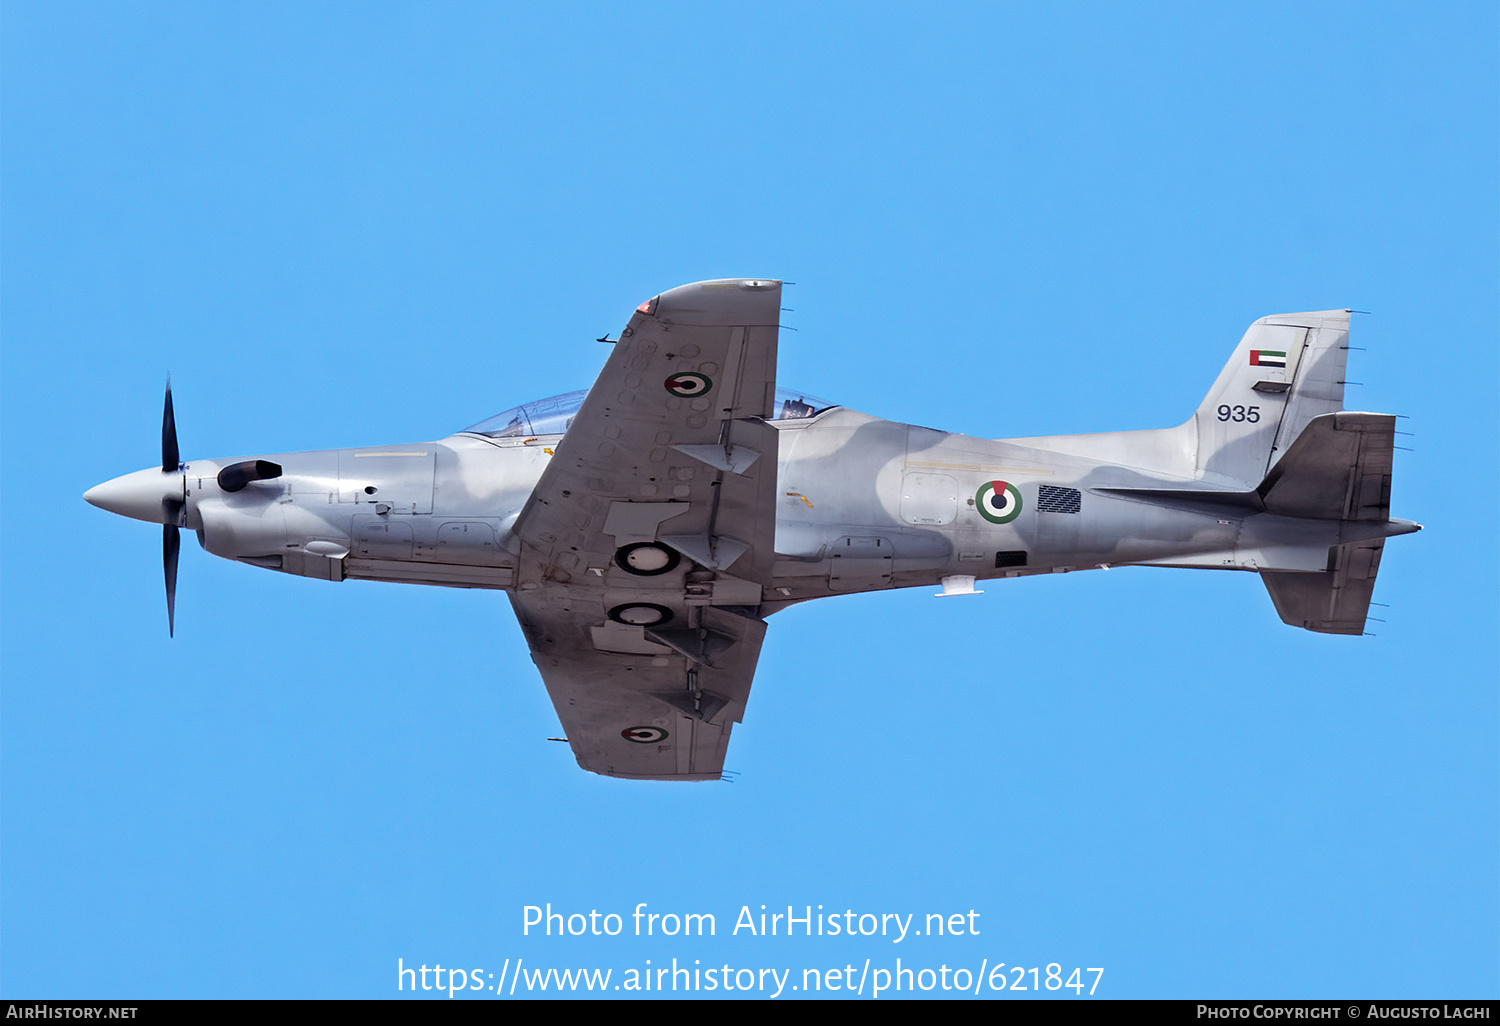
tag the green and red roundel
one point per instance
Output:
(998, 502)
(688, 384)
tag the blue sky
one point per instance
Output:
(352, 224)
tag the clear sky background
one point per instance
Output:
(347, 224)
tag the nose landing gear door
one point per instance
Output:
(397, 479)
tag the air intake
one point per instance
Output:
(237, 475)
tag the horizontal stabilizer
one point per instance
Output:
(1339, 468)
(1333, 602)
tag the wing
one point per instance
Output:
(647, 541)
(653, 714)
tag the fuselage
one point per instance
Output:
(861, 504)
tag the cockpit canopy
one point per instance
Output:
(555, 415)
(544, 417)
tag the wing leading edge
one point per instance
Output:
(649, 537)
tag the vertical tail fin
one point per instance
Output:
(1288, 369)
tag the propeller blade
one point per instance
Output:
(170, 460)
(171, 540)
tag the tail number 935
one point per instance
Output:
(1240, 414)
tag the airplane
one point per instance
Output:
(646, 528)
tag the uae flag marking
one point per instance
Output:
(1267, 358)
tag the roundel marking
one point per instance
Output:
(998, 502)
(646, 559)
(640, 614)
(644, 735)
(688, 384)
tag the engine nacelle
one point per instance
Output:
(268, 528)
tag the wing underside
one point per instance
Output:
(657, 715)
(649, 537)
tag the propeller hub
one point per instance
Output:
(154, 495)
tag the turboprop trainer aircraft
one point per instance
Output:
(645, 529)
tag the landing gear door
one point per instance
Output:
(860, 564)
(398, 478)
